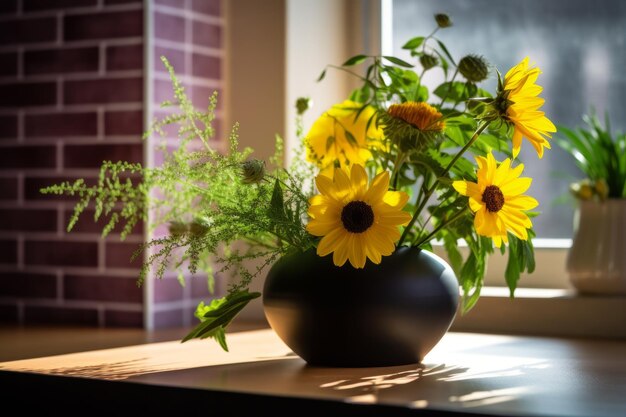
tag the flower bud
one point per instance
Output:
(443, 20)
(582, 190)
(602, 189)
(177, 228)
(303, 104)
(252, 171)
(428, 61)
(198, 228)
(474, 68)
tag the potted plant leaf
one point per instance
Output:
(596, 263)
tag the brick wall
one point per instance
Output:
(189, 34)
(72, 95)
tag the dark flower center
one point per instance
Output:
(493, 198)
(357, 216)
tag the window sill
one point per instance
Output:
(545, 312)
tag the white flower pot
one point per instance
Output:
(596, 263)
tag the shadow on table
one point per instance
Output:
(416, 386)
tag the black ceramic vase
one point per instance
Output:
(383, 315)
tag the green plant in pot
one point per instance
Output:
(596, 262)
(347, 230)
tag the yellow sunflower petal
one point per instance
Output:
(330, 242)
(522, 202)
(516, 187)
(396, 198)
(378, 188)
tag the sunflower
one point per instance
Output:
(413, 125)
(356, 221)
(497, 199)
(337, 136)
(518, 103)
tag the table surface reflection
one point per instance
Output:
(465, 373)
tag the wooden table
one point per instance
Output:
(467, 374)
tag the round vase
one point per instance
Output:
(596, 262)
(389, 314)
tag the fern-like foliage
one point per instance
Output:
(218, 219)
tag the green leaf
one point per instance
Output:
(321, 77)
(451, 246)
(445, 51)
(355, 60)
(220, 336)
(276, 210)
(219, 314)
(455, 91)
(513, 267)
(351, 139)
(413, 43)
(329, 142)
(398, 61)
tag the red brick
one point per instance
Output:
(61, 61)
(28, 94)
(18, 31)
(8, 6)
(28, 157)
(162, 91)
(8, 188)
(178, 4)
(8, 126)
(108, 2)
(60, 315)
(200, 96)
(101, 288)
(124, 58)
(59, 253)
(28, 220)
(61, 124)
(33, 185)
(119, 318)
(123, 123)
(106, 25)
(169, 318)
(170, 130)
(206, 66)
(8, 251)
(206, 34)
(169, 27)
(118, 255)
(91, 156)
(87, 224)
(8, 64)
(38, 5)
(111, 2)
(167, 289)
(174, 56)
(8, 313)
(211, 7)
(199, 287)
(26, 285)
(113, 90)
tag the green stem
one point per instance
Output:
(349, 72)
(418, 85)
(400, 158)
(441, 226)
(433, 187)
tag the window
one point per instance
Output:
(579, 45)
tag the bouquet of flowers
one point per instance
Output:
(387, 167)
